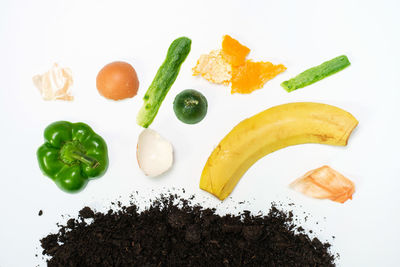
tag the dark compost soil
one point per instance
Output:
(171, 234)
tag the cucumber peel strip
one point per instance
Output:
(162, 82)
(316, 73)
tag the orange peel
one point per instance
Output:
(213, 68)
(229, 65)
(253, 75)
(234, 52)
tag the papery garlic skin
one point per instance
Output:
(55, 83)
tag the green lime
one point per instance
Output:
(190, 106)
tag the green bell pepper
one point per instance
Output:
(72, 155)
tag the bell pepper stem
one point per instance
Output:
(93, 163)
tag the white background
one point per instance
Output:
(85, 35)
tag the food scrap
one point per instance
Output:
(55, 83)
(253, 75)
(229, 65)
(72, 155)
(190, 106)
(154, 153)
(234, 52)
(162, 82)
(214, 68)
(268, 131)
(325, 183)
(317, 73)
(117, 80)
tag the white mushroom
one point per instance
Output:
(154, 153)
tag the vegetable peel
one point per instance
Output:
(325, 183)
(164, 79)
(55, 83)
(316, 73)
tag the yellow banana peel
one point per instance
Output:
(275, 128)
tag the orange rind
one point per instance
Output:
(234, 52)
(229, 65)
(213, 68)
(253, 75)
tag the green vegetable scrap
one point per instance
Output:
(162, 82)
(317, 73)
(72, 155)
(190, 106)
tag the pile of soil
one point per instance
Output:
(179, 234)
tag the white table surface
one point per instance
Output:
(85, 35)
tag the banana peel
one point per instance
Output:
(273, 129)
